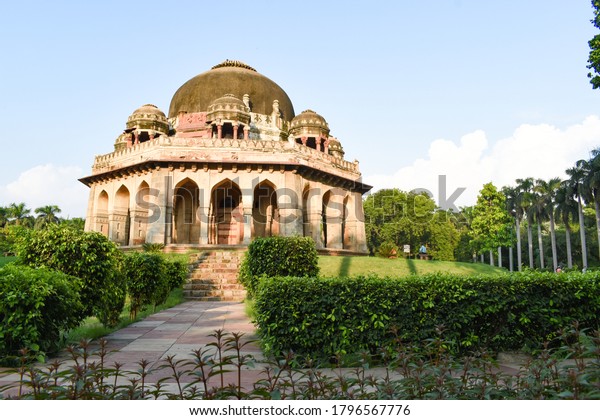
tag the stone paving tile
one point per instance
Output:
(149, 344)
(173, 326)
(146, 324)
(124, 336)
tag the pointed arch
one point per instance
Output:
(226, 214)
(306, 225)
(140, 218)
(265, 210)
(121, 216)
(186, 199)
(101, 214)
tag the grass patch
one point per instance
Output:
(92, 329)
(6, 260)
(346, 266)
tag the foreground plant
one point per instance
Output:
(569, 369)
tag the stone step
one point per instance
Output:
(214, 276)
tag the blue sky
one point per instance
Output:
(478, 91)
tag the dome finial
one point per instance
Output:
(234, 63)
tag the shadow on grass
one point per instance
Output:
(345, 266)
(411, 266)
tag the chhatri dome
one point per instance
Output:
(231, 161)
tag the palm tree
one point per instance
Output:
(19, 213)
(576, 180)
(592, 183)
(525, 187)
(46, 215)
(3, 216)
(566, 210)
(537, 210)
(513, 207)
(547, 192)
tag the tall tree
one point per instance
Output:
(592, 187)
(547, 191)
(514, 209)
(3, 216)
(46, 215)
(491, 222)
(566, 210)
(19, 213)
(594, 44)
(577, 176)
(525, 188)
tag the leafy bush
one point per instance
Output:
(278, 256)
(176, 272)
(89, 256)
(146, 278)
(323, 317)
(153, 247)
(388, 250)
(36, 306)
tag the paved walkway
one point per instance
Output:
(180, 330)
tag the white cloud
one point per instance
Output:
(48, 184)
(539, 151)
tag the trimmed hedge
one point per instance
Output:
(36, 306)
(150, 277)
(89, 256)
(322, 317)
(278, 256)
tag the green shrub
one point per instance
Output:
(176, 272)
(36, 306)
(146, 278)
(278, 256)
(89, 256)
(388, 250)
(153, 247)
(323, 317)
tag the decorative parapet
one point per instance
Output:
(165, 148)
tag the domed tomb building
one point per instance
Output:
(231, 162)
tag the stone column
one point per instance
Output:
(356, 223)
(219, 131)
(235, 130)
(246, 132)
(159, 228)
(289, 202)
(318, 143)
(304, 140)
(315, 216)
(333, 218)
(203, 213)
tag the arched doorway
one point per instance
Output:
(265, 212)
(101, 216)
(140, 218)
(226, 216)
(307, 231)
(186, 228)
(121, 216)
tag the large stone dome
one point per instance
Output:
(231, 77)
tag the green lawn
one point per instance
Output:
(353, 266)
(6, 260)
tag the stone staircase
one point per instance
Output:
(214, 276)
